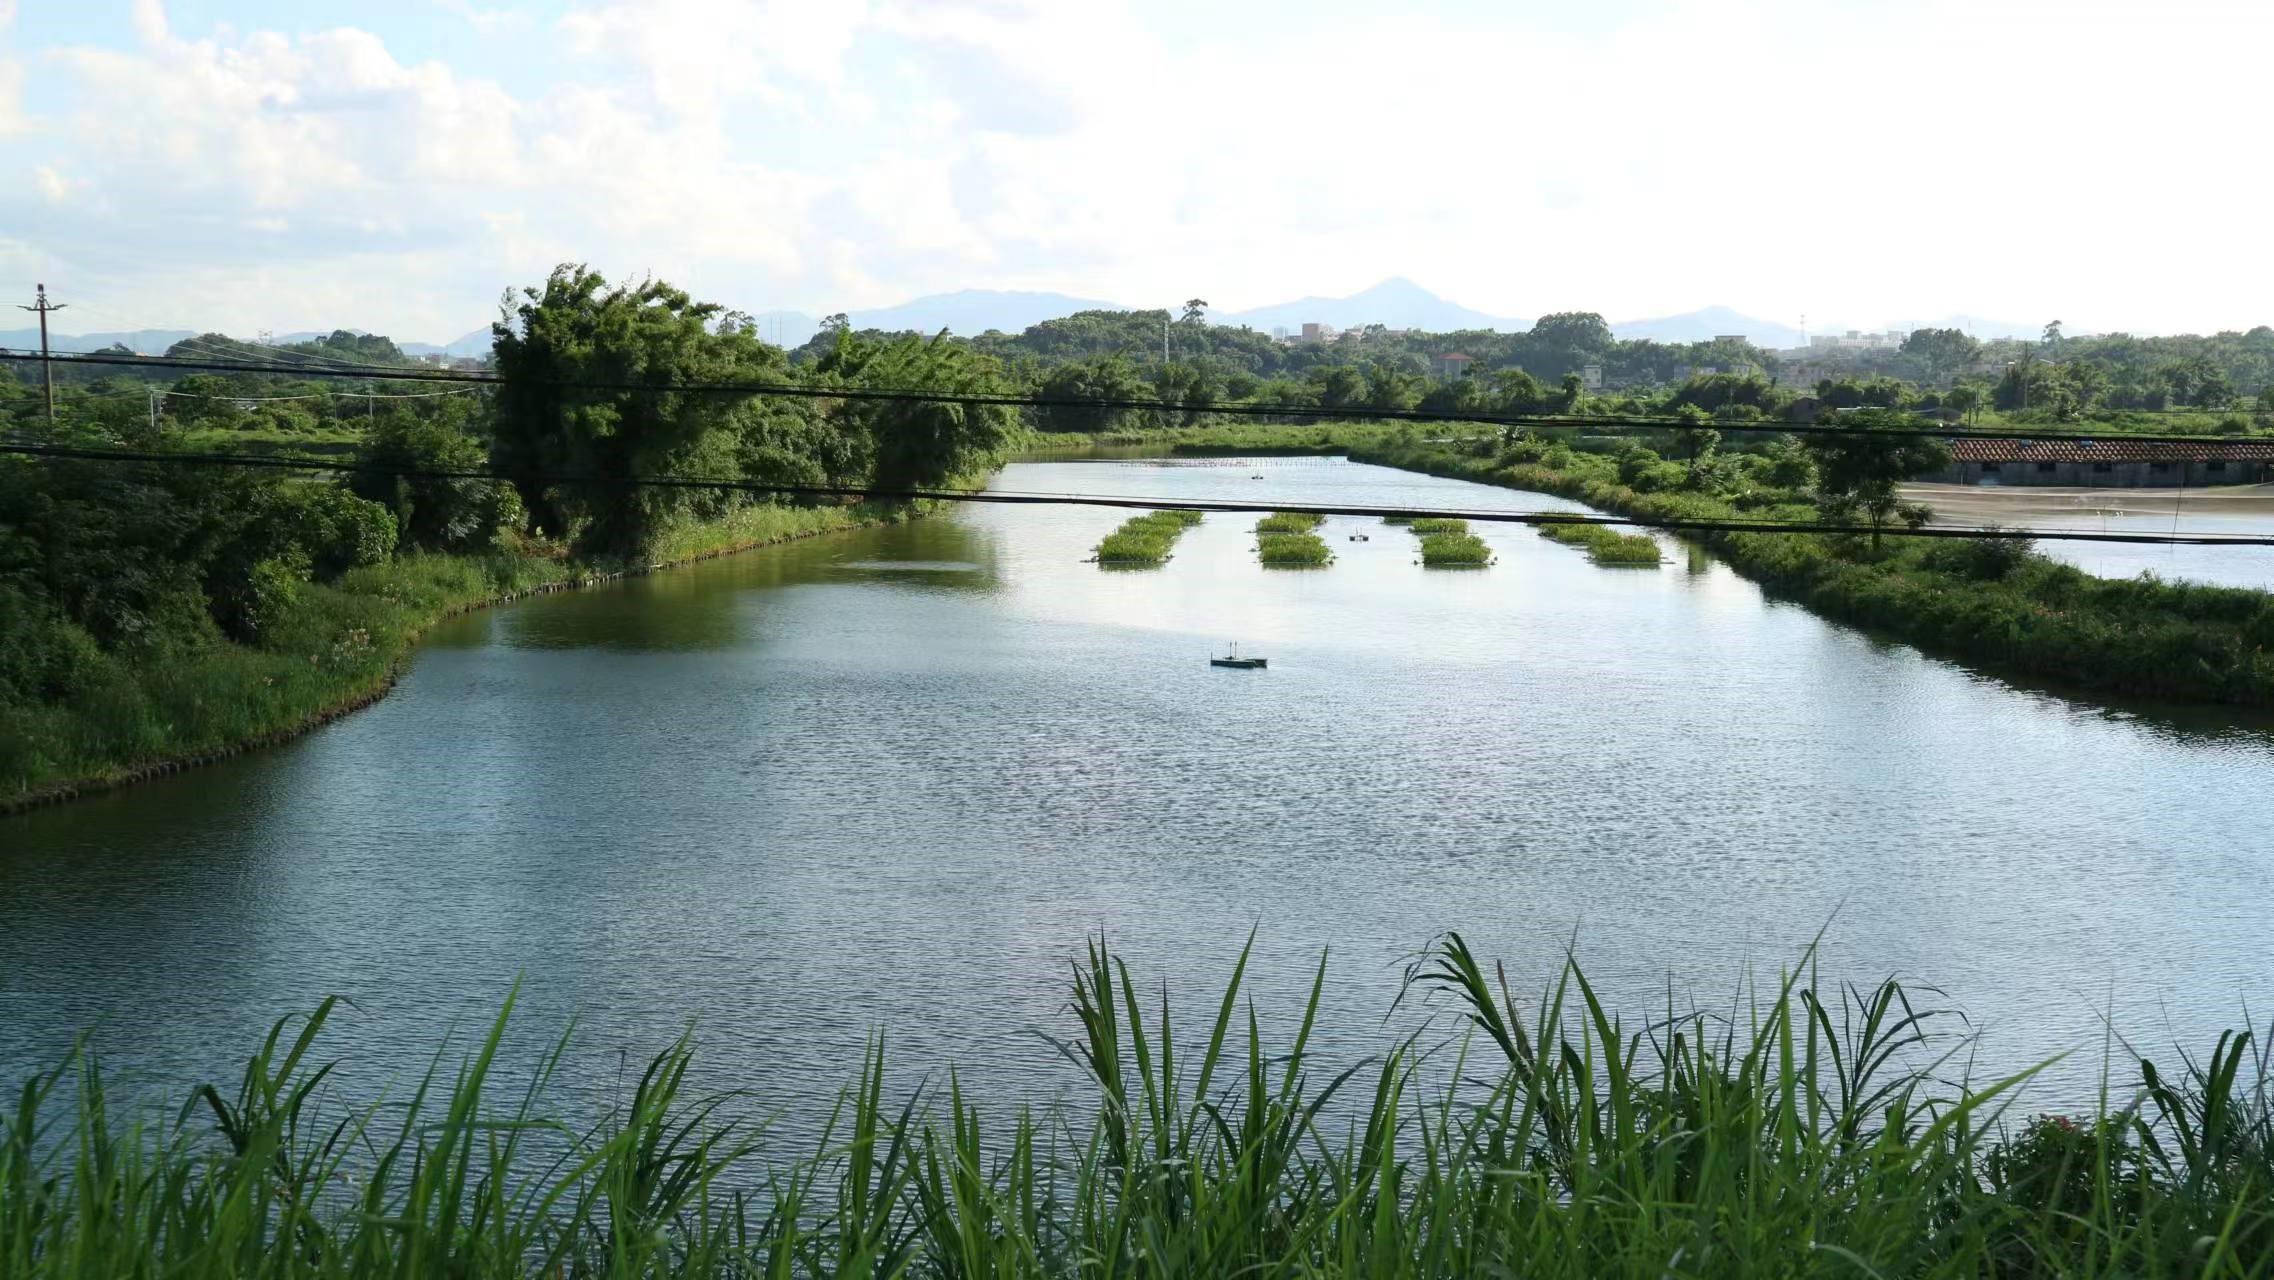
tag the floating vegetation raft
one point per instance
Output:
(1605, 545)
(1427, 525)
(1397, 519)
(1145, 539)
(1455, 551)
(1284, 539)
(1289, 522)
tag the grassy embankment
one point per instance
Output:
(1801, 1131)
(335, 648)
(1144, 541)
(1285, 540)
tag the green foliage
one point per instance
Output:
(1454, 550)
(1291, 550)
(1857, 472)
(1818, 1130)
(576, 329)
(2041, 619)
(1991, 559)
(434, 513)
(1103, 378)
(918, 444)
(1426, 525)
(1145, 539)
(1289, 522)
(1605, 545)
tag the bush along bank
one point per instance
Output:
(1992, 602)
(321, 649)
(1801, 1136)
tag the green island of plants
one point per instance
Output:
(1455, 551)
(1802, 1130)
(1289, 522)
(1145, 540)
(1605, 545)
(1292, 550)
(1426, 525)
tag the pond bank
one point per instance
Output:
(211, 704)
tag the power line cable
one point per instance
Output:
(1251, 410)
(1670, 525)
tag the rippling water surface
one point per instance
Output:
(891, 779)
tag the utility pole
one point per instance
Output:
(153, 413)
(41, 305)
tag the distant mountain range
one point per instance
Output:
(1396, 302)
(1708, 323)
(147, 342)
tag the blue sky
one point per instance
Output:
(257, 164)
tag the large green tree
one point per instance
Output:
(605, 386)
(1937, 354)
(917, 444)
(1859, 468)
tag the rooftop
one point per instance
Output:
(2112, 450)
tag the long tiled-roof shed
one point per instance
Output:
(2110, 463)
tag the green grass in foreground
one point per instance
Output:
(1289, 522)
(1145, 539)
(1802, 1131)
(1455, 550)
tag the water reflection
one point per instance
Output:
(800, 796)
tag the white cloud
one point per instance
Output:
(12, 120)
(1868, 161)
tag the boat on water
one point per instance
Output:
(1233, 659)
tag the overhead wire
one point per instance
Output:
(1235, 409)
(1137, 502)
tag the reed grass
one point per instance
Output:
(1426, 525)
(1606, 546)
(1289, 522)
(1455, 550)
(1145, 540)
(1803, 1130)
(1290, 550)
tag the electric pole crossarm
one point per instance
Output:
(41, 305)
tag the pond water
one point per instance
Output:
(892, 779)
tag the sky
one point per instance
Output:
(244, 165)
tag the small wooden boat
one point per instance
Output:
(1233, 659)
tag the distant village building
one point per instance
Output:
(1856, 340)
(1452, 364)
(1313, 331)
(2107, 464)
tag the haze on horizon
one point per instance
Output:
(265, 164)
